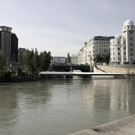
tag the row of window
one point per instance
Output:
(131, 54)
(101, 41)
(130, 27)
(103, 46)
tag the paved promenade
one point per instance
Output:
(125, 126)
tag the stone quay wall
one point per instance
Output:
(125, 69)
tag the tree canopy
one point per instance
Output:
(98, 58)
(3, 60)
(37, 62)
(68, 57)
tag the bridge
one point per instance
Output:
(67, 68)
(82, 74)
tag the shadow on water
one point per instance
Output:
(4, 84)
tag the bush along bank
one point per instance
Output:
(5, 76)
(18, 76)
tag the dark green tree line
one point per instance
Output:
(3, 60)
(36, 62)
(99, 58)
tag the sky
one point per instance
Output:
(62, 26)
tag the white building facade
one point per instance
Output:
(122, 48)
(74, 59)
(97, 45)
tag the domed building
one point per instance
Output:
(122, 48)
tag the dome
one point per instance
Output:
(128, 22)
(117, 36)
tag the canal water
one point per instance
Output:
(63, 106)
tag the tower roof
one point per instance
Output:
(128, 22)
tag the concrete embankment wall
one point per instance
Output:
(125, 126)
(125, 69)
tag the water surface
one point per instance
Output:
(63, 106)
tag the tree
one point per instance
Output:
(107, 58)
(68, 57)
(45, 59)
(98, 58)
(37, 62)
(3, 60)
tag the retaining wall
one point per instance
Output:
(125, 69)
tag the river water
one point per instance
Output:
(63, 106)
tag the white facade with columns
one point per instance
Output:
(122, 48)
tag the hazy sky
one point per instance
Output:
(62, 26)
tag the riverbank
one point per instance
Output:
(124, 69)
(125, 126)
(16, 78)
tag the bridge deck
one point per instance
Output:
(80, 73)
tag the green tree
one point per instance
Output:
(37, 62)
(98, 58)
(68, 57)
(45, 59)
(107, 58)
(3, 60)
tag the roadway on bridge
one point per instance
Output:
(80, 73)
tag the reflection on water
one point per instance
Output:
(63, 106)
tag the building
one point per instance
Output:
(96, 45)
(21, 53)
(122, 48)
(74, 59)
(82, 54)
(9, 45)
(58, 60)
(14, 48)
(5, 42)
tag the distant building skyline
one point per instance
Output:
(120, 48)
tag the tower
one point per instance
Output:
(5, 42)
(128, 32)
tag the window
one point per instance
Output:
(124, 42)
(118, 48)
(118, 42)
(124, 48)
(131, 54)
(118, 53)
(131, 38)
(131, 44)
(131, 31)
(131, 49)
(113, 58)
(124, 53)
